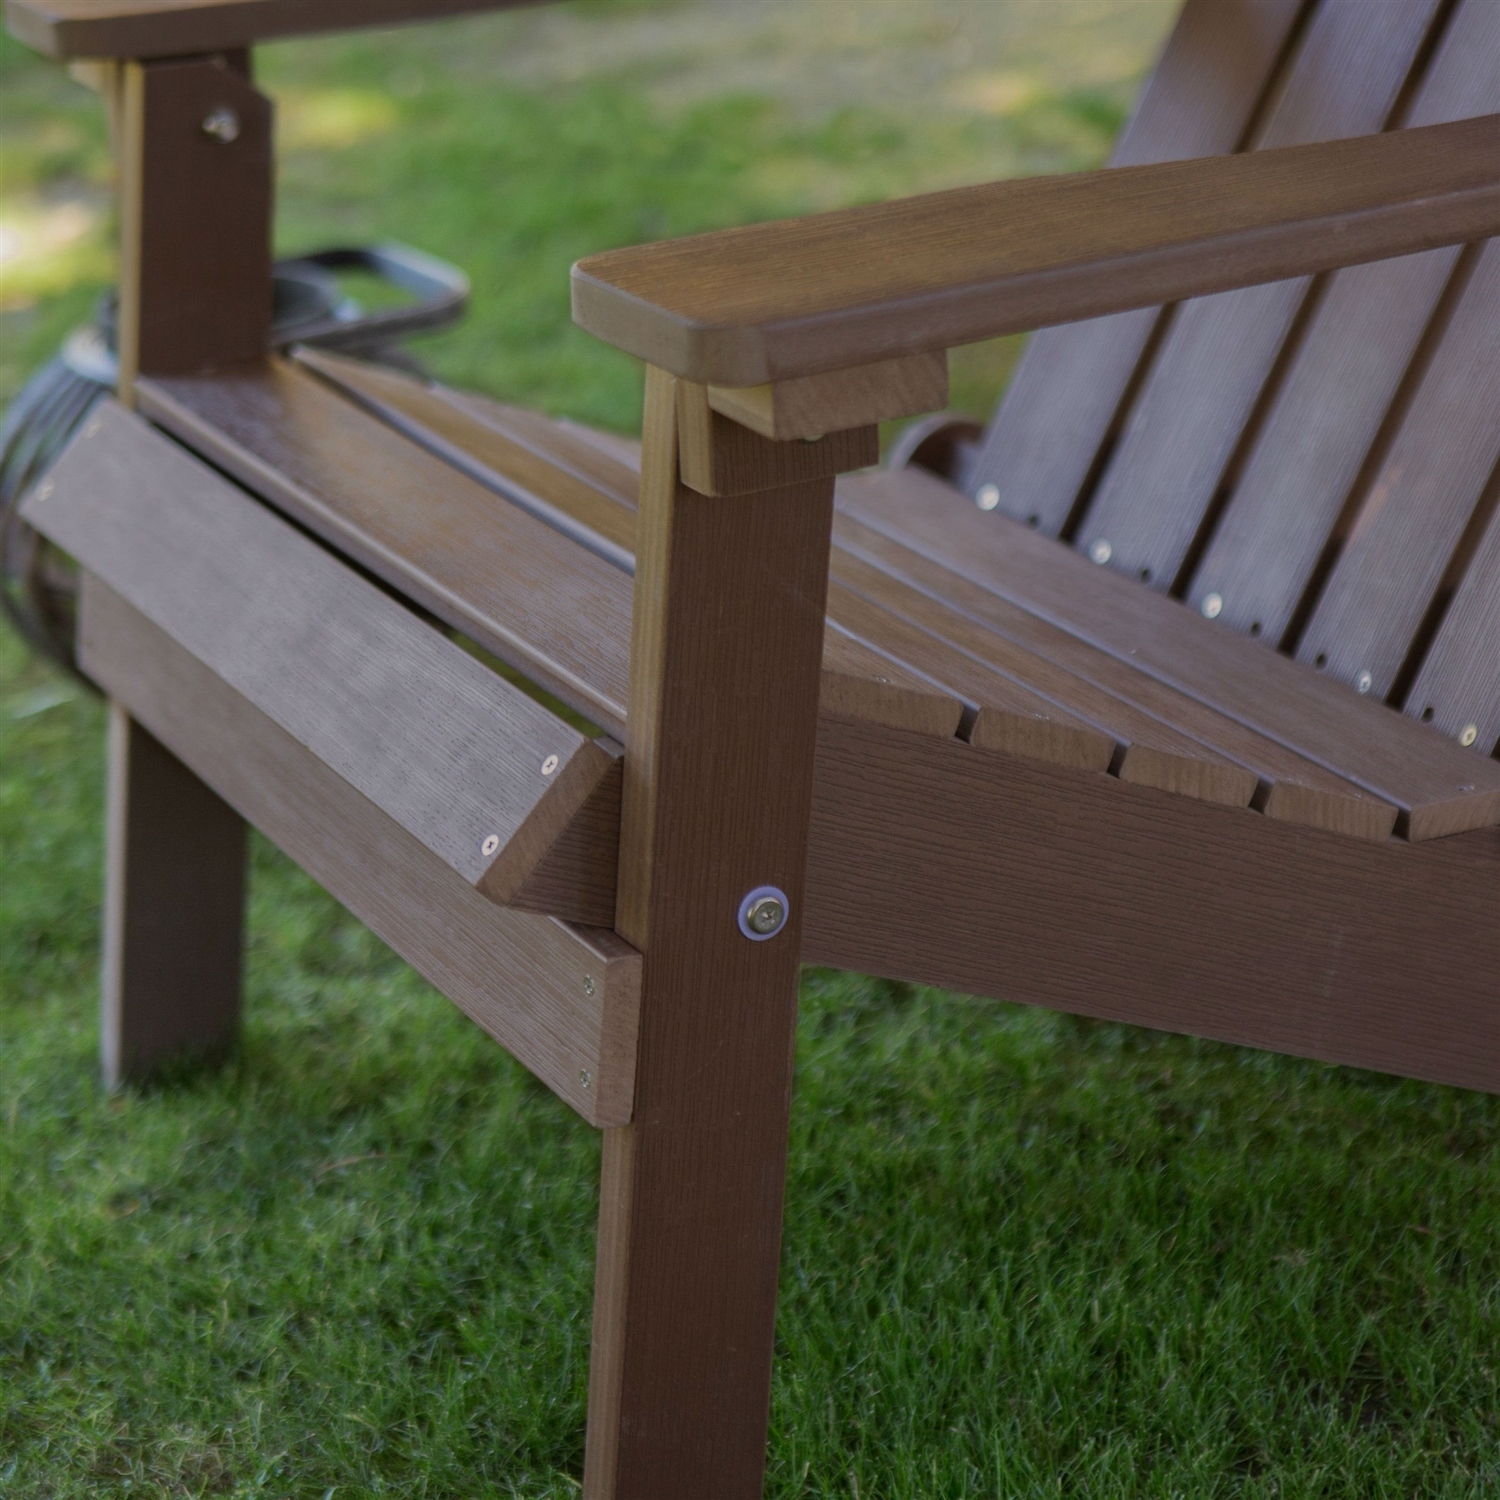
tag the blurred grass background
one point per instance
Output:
(1025, 1255)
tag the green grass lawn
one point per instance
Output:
(1025, 1256)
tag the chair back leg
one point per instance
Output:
(173, 911)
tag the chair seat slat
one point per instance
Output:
(1440, 789)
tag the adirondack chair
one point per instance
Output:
(998, 723)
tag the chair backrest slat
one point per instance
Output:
(1218, 353)
(1330, 409)
(1458, 687)
(1420, 503)
(1203, 100)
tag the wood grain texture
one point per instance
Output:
(577, 878)
(1063, 400)
(1458, 687)
(452, 752)
(1193, 918)
(567, 476)
(1290, 787)
(1008, 716)
(1419, 503)
(777, 301)
(575, 489)
(819, 404)
(865, 679)
(173, 912)
(960, 651)
(562, 1000)
(516, 585)
(721, 457)
(159, 28)
(195, 220)
(725, 656)
(1329, 412)
(1440, 789)
(1216, 357)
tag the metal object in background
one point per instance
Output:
(38, 583)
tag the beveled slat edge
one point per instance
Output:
(561, 998)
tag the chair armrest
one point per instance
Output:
(775, 302)
(163, 28)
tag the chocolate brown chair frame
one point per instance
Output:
(921, 724)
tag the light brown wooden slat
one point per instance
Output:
(1440, 789)
(1076, 892)
(1458, 688)
(1146, 751)
(861, 683)
(777, 301)
(1011, 718)
(562, 1000)
(447, 541)
(1291, 788)
(469, 765)
(1070, 382)
(513, 583)
(160, 28)
(1330, 408)
(1419, 503)
(1219, 352)
(567, 477)
(490, 451)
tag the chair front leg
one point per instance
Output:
(725, 668)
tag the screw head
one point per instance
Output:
(44, 489)
(588, 984)
(550, 765)
(223, 125)
(763, 913)
(1364, 682)
(1468, 735)
(1101, 552)
(987, 496)
(1213, 606)
(586, 1078)
(490, 846)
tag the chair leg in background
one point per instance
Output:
(173, 911)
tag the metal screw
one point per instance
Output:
(92, 430)
(490, 846)
(1364, 682)
(585, 1078)
(1101, 552)
(763, 913)
(44, 489)
(987, 496)
(1213, 606)
(223, 125)
(588, 984)
(1468, 735)
(550, 765)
